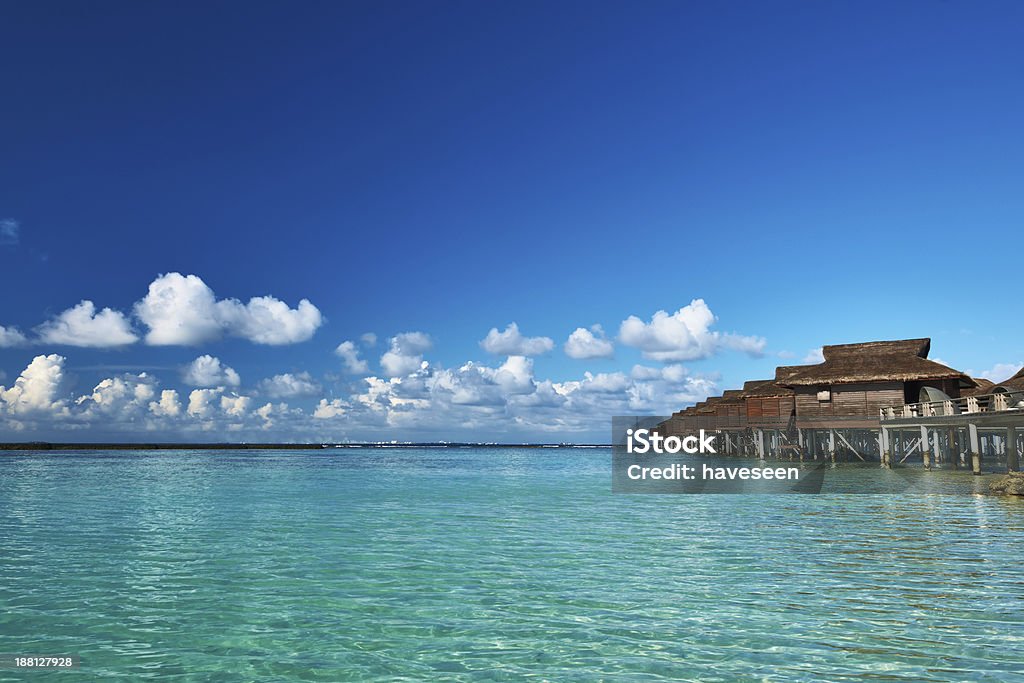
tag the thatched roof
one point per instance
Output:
(982, 386)
(731, 396)
(903, 360)
(709, 405)
(753, 384)
(1015, 383)
(769, 389)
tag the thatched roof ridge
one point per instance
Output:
(913, 347)
(732, 396)
(709, 405)
(769, 389)
(752, 384)
(887, 361)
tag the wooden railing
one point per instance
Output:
(987, 403)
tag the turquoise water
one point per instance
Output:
(490, 565)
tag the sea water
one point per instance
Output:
(488, 564)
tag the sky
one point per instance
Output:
(489, 221)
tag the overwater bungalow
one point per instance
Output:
(866, 401)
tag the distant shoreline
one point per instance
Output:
(47, 446)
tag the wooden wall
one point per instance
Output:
(770, 407)
(849, 399)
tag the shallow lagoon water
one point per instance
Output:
(493, 565)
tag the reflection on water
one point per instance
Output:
(477, 564)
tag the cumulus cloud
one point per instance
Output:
(474, 384)
(119, 397)
(326, 410)
(169, 404)
(9, 231)
(202, 402)
(684, 335)
(288, 385)
(183, 310)
(11, 336)
(82, 325)
(38, 389)
(235, 405)
(368, 339)
(349, 355)
(512, 343)
(208, 371)
(583, 344)
(406, 353)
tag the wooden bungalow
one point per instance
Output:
(855, 380)
(707, 413)
(730, 411)
(769, 404)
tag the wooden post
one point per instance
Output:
(886, 448)
(1012, 458)
(972, 430)
(925, 453)
(800, 442)
(832, 445)
(760, 444)
(936, 451)
(954, 451)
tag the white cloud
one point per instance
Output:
(82, 325)
(583, 344)
(406, 353)
(234, 405)
(999, 372)
(815, 356)
(11, 336)
(368, 339)
(326, 410)
(183, 310)
(266, 320)
(349, 355)
(201, 402)
(168, 406)
(38, 389)
(288, 385)
(480, 385)
(118, 397)
(684, 335)
(512, 343)
(9, 229)
(208, 371)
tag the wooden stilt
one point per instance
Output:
(1012, 457)
(972, 430)
(954, 449)
(926, 454)
(886, 448)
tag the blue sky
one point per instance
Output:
(813, 172)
